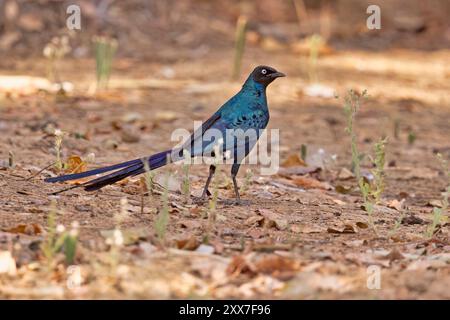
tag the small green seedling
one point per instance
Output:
(58, 142)
(105, 49)
(59, 239)
(303, 152)
(186, 185)
(371, 192)
(411, 137)
(247, 180)
(438, 213)
(162, 220)
(315, 42)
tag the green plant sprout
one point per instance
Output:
(59, 135)
(411, 137)
(162, 220)
(315, 42)
(58, 239)
(303, 152)
(438, 213)
(186, 186)
(148, 181)
(105, 49)
(247, 180)
(371, 192)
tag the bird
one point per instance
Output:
(246, 110)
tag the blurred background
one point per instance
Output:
(146, 29)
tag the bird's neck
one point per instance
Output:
(254, 87)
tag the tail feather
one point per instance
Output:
(76, 176)
(129, 168)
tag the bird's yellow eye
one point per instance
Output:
(263, 71)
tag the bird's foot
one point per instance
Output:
(203, 198)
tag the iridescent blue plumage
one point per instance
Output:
(246, 111)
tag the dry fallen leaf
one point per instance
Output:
(311, 183)
(293, 160)
(273, 219)
(74, 164)
(345, 229)
(362, 225)
(345, 174)
(395, 204)
(277, 266)
(435, 203)
(305, 229)
(29, 229)
(394, 254)
(190, 243)
(253, 220)
(239, 265)
(343, 189)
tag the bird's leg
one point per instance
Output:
(234, 171)
(206, 193)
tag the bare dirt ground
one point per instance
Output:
(297, 237)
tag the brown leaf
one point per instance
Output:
(311, 183)
(293, 160)
(196, 211)
(75, 164)
(343, 189)
(238, 265)
(435, 203)
(277, 266)
(394, 255)
(345, 229)
(190, 243)
(273, 219)
(395, 204)
(305, 229)
(254, 219)
(29, 229)
(362, 225)
(345, 174)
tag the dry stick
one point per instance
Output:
(40, 171)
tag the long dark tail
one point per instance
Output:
(129, 168)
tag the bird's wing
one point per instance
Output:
(190, 144)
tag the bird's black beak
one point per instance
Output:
(277, 75)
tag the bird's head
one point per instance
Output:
(265, 75)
